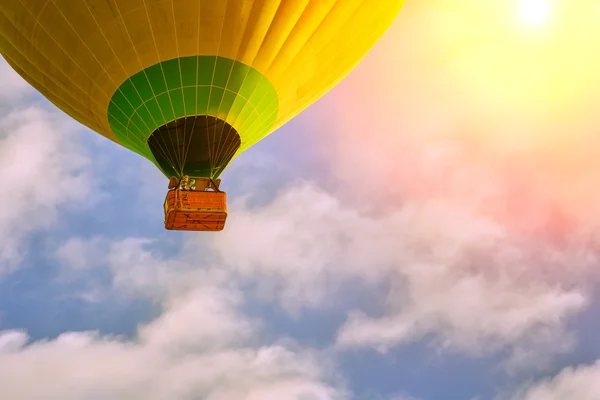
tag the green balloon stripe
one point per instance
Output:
(188, 86)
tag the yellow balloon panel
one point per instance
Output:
(79, 53)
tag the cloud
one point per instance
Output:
(13, 86)
(440, 270)
(370, 396)
(80, 254)
(42, 167)
(295, 249)
(581, 382)
(470, 313)
(211, 322)
(84, 365)
(135, 269)
(200, 346)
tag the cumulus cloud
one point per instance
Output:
(440, 271)
(296, 248)
(80, 254)
(200, 346)
(135, 267)
(85, 365)
(581, 382)
(42, 167)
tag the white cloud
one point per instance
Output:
(212, 322)
(13, 86)
(439, 269)
(468, 313)
(79, 254)
(42, 167)
(135, 268)
(582, 383)
(199, 347)
(296, 247)
(387, 397)
(85, 365)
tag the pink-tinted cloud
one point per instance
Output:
(415, 122)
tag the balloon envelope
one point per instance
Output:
(188, 84)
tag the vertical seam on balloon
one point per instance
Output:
(260, 120)
(145, 74)
(350, 17)
(35, 17)
(66, 53)
(331, 59)
(98, 61)
(159, 63)
(60, 47)
(161, 67)
(276, 99)
(197, 75)
(84, 44)
(208, 108)
(233, 65)
(58, 100)
(63, 50)
(261, 73)
(333, 3)
(135, 112)
(311, 99)
(266, 69)
(181, 87)
(231, 148)
(42, 73)
(245, 77)
(116, 56)
(168, 92)
(140, 61)
(262, 76)
(220, 167)
(213, 80)
(314, 32)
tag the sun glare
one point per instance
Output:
(534, 12)
(544, 71)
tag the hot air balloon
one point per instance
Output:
(188, 84)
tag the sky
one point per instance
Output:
(427, 230)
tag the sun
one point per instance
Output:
(534, 13)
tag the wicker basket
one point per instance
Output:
(195, 210)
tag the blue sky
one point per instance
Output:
(360, 260)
